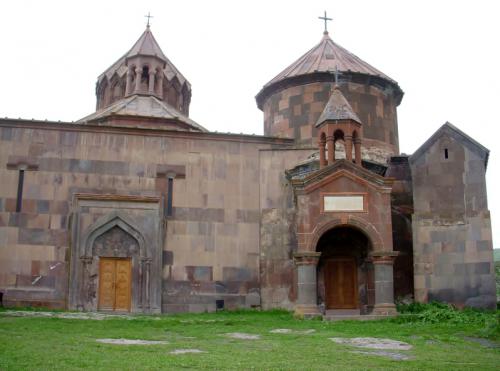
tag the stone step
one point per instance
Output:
(342, 312)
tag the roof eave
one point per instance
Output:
(447, 126)
(327, 76)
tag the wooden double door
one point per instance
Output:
(115, 284)
(341, 284)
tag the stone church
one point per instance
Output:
(138, 208)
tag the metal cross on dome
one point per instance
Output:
(326, 19)
(148, 17)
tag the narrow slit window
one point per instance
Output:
(20, 185)
(169, 196)
(446, 153)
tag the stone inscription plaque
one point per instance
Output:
(343, 203)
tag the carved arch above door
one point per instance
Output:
(109, 223)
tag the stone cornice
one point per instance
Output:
(354, 77)
(156, 132)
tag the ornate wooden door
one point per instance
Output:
(341, 283)
(114, 284)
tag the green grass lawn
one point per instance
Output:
(57, 343)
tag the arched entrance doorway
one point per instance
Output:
(345, 272)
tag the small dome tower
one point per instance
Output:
(338, 122)
(144, 70)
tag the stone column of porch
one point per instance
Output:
(384, 283)
(307, 294)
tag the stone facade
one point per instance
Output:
(138, 208)
(206, 250)
(452, 241)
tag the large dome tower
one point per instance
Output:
(293, 101)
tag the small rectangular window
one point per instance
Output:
(169, 196)
(446, 153)
(20, 185)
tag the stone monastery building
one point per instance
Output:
(137, 208)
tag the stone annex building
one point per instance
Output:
(138, 208)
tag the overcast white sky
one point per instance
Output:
(444, 54)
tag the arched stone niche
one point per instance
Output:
(118, 234)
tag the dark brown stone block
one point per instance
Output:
(59, 207)
(163, 169)
(81, 166)
(180, 288)
(6, 134)
(18, 220)
(168, 257)
(68, 139)
(247, 216)
(28, 206)
(207, 287)
(35, 267)
(484, 245)
(33, 236)
(43, 206)
(38, 236)
(4, 219)
(199, 273)
(482, 268)
(198, 214)
(220, 287)
(175, 308)
(236, 274)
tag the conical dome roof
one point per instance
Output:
(325, 57)
(322, 59)
(146, 45)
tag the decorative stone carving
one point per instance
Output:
(131, 231)
(115, 243)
